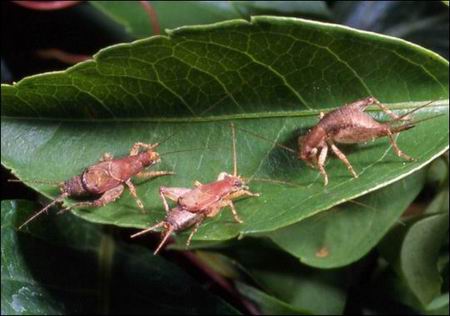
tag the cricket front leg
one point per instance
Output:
(134, 194)
(233, 210)
(343, 158)
(321, 163)
(106, 198)
(172, 194)
(135, 149)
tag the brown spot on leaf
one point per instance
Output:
(322, 252)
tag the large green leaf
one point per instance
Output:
(67, 266)
(326, 240)
(270, 75)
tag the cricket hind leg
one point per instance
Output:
(106, 198)
(172, 194)
(364, 103)
(397, 150)
(343, 158)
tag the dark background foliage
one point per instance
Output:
(369, 287)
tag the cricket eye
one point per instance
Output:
(237, 183)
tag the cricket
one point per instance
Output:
(105, 181)
(193, 206)
(349, 124)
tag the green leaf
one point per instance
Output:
(347, 232)
(69, 266)
(271, 75)
(413, 250)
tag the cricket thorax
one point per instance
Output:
(311, 142)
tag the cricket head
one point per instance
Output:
(310, 144)
(149, 157)
(73, 187)
(236, 183)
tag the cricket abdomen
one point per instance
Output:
(181, 219)
(353, 127)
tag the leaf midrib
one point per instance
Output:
(215, 118)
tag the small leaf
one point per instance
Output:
(347, 232)
(167, 14)
(139, 22)
(413, 250)
(284, 278)
(271, 75)
(268, 305)
(68, 266)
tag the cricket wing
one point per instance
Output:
(97, 179)
(203, 197)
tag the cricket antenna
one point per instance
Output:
(168, 137)
(268, 140)
(183, 150)
(36, 181)
(56, 200)
(275, 181)
(233, 135)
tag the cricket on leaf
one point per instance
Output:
(105, 181)
(193, 206)
(349, 124)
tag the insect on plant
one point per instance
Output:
(349, 124)
(193, 206)
(105, 181)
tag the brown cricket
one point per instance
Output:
(105, 181)
(349, 124)
(205, 200)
